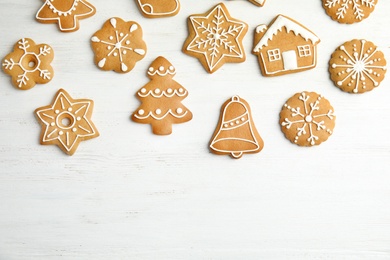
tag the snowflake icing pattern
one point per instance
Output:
(216, 38)
(308, 119)
(118, 44)
(358, 66)
(345, 6)
(29, 63)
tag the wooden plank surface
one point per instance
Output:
(131, 195)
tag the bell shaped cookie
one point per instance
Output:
(236, 133)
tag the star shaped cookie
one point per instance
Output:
(65, 12)
(215, 38)
(66, 122)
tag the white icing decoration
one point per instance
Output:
(169, 112)
(66, 13)
(133, 28)
(261, 28)
(358, 67)
(276, 27)
(117, 48)
(74, 131)
(230, 124)
(179, 110)
(211, 38)
(353, 4)
(308, 119)
(161, 72)
(145, 6)
(23, 78)
(160, 94)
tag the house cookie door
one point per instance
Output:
(290, 61)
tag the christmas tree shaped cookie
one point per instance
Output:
(236, 132)
(161, 99)
(66, 13)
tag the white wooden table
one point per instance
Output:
(132, 195)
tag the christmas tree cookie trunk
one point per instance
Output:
(161, 99)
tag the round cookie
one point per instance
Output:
(118, 45)
(236, 133)
(357, 66)
(307, 119)
(29, 64)
(349, 11)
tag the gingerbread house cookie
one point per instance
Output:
(285, 47)
(66, 13)
(215, 38)
(158, 8)
(236, 133)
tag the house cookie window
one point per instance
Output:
(274, 55)
(304, 51)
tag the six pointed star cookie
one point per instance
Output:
(66, 122)
(66, 13)
(215, 38)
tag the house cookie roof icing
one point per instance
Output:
(291, 25)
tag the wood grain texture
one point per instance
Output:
(131, 195)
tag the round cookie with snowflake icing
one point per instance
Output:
(118, 45)
(357, 66)
(307, 119)
(349, 11)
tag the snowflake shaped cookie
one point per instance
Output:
(215, 38)
(118, 45)
(307, 119)
(29, 64)
(66, 122)
(357, 66)
(349, 11)
(66, 13)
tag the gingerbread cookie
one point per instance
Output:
(349, 11)
(66, 13)
(158, 8)
(258, 2)
(66, 122)
(236, 133)
(161, 99)
(307, 119)
(285, 47)
(29, 63)
(215, 38)
(118, 45)
(357, 66)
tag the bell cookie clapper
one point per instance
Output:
(236, 133)
(161, 99)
